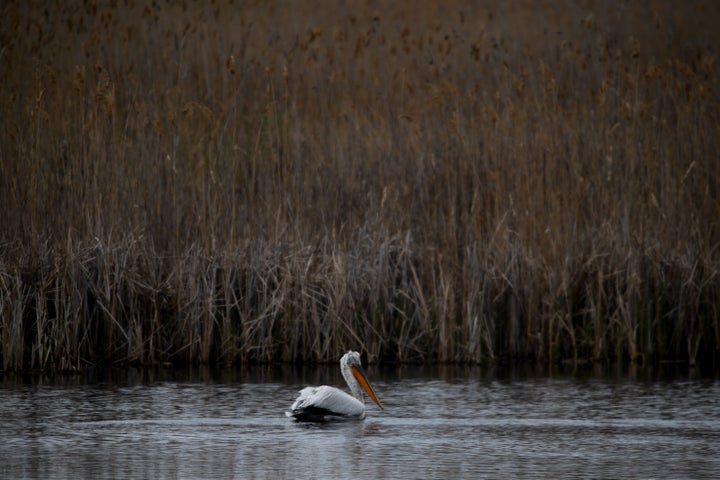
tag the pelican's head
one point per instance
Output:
(350, 362)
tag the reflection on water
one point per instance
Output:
(440, 422)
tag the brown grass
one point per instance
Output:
(466, 182)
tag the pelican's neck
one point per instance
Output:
(351, 381)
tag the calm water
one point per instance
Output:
(438, 423)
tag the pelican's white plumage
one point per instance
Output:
(324, 403)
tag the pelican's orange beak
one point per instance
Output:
(359, 375)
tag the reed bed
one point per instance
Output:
(462, 182)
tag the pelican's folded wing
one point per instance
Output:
(326, 401)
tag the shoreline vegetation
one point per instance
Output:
(471, 182)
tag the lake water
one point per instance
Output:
(440, 422)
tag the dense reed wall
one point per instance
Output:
(282, 181)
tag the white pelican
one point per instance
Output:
(322, 404)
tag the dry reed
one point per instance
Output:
(463, 182)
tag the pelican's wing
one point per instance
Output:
(326, 403)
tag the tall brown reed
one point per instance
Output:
(461, 182)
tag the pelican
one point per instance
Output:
(322, 404)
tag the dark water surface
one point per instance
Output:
(442, 422)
